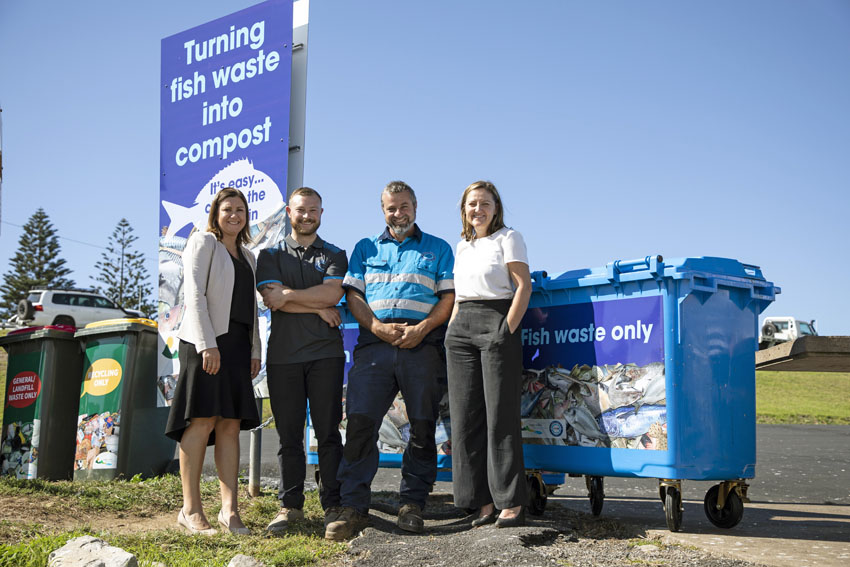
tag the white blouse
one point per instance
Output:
(481, 265)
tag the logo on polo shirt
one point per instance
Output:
(321, 263)
(428, 256)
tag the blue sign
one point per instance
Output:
(224, 115)
(625, 331)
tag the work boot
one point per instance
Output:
(281, 521)
(348, 524)
(331, 515)
(410, 518)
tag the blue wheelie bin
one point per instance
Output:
(646, 368)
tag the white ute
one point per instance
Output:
(775, 330)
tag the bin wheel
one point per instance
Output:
(730, 514)
(662, 492)
(25, 310)
(673, 508)
(317, 474)
(536, 496)
(596, 487)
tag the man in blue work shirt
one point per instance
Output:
(400, 288)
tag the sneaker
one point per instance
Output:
(281, 521)
(347, 524)
(331, 515)
(410, 518)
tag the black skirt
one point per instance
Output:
(228, 394)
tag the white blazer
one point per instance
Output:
(208, 277)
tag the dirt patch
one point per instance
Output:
(22, 511)
(561, 537)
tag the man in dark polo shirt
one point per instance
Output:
(301, 282)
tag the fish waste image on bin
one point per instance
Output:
(594, 375)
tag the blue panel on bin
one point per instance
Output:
(705, 423)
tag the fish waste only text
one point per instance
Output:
(631, 332)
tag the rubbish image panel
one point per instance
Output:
(99, 419)
(594, 375)
(21, 423)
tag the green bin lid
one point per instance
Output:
(117, 325)
(65, 332)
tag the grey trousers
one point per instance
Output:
(485, 382)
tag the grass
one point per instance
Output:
(803, 397)
(30, 544)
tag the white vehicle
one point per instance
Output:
(775, 330)
(73, 307)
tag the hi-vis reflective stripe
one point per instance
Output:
(355, 283)
(445, 284)
(409, 278)
(407, 304)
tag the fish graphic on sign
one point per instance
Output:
(263, 194)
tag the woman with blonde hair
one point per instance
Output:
(484, 356)
(219, 356)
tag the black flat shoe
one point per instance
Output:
(484, 520)
(516, 521)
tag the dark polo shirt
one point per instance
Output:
(301, 337)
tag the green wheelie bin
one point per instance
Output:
(40, 405)
(119, 426)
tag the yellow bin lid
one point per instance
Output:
(107, 322)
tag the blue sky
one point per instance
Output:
(613, 129)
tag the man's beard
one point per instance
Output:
(306, 230)
(401, 230)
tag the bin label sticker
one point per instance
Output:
(21, 416)
(544, 428)
(599, 367)
(102, 377)
(23, 390)
(99, 418)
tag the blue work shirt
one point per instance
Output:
(401, 281)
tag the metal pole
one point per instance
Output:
(254, 455)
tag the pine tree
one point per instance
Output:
(36, 264)
(122, 271)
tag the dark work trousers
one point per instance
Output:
(290, 386)
(485, 382)
(380, 371)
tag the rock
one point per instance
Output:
(245, 561)
(91, 552)
(647, 549)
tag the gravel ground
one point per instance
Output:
(560, 538)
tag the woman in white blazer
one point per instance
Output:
(219, 355)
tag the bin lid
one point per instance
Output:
(656, 267)
(38, 332)
(108, 322)
(117, 325)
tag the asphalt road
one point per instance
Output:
(799, 464)
(799, 512)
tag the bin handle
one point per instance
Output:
(539, 277)
(618, 267)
